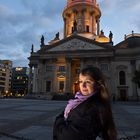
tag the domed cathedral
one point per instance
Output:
(54, 68)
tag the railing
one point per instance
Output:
(79, 2)
(133, 34)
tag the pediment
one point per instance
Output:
(74, 45)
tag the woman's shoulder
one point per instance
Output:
(94, 100)
(94, 103)
(91, 105)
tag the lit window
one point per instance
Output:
(4, 70)
(19, 77)
(19, 69)
(61, 86)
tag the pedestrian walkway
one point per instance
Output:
(127, 117)
(26, 119)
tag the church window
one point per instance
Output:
(48, 86)
(104, 67)
(49, 68)
(122, 78)
(61, 69)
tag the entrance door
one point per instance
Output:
(123, 96)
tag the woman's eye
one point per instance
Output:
(88, 82)
(80, 82)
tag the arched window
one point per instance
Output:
(122, 79)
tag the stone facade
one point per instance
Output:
(54, 68)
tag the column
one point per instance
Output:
(43, 80)
(65, 27)
(40, 77)
(35, 80)
(30, 80)
(93, 24)
(134, 85)
(98, 26)
(68, 75)
(82, 63)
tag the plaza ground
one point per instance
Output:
(28, 119)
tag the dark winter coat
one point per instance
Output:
(83, 122)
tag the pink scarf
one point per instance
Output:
(73, 103)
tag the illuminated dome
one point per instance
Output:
(102, 38)
(81, 16)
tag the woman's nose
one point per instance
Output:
(84, 84)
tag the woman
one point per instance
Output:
(89, 114)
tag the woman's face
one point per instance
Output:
(86, 84)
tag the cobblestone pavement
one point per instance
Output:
(26, 119)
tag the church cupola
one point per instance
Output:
(85, 13)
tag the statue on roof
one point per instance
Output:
(32, 48)
(132, 33)
(42, 40)
(102, 32)
(125, 37)
(56, 36)
(110, 36)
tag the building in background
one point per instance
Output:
(20, 81)
(5, 77)
(54, 68)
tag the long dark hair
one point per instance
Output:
(108, 126)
